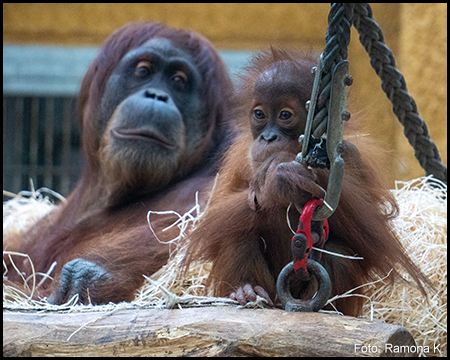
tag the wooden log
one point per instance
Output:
(206, 331)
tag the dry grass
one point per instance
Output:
(421, 226)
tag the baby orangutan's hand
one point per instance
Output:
(247, 293)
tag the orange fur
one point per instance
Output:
(251, 246)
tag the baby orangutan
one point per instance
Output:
(244, 231)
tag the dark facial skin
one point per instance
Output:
(156, 66)
(149, 114)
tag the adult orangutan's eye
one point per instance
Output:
(143, 69)
(179, 79)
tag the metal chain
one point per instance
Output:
(394, 85)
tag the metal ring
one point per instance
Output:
(317, 302)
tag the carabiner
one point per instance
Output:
(337, 115)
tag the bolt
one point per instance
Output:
(308, 103)
(345, 115)
(340, 148)
(299, 158)
(348, 80)
(313, 71)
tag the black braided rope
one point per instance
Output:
(394, 85)
(340, 21)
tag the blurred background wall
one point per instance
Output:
(416, 33)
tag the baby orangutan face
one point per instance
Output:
(277, 114)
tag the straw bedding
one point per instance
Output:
(421, 227)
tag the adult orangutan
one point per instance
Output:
(244, 232)
(153, 108)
